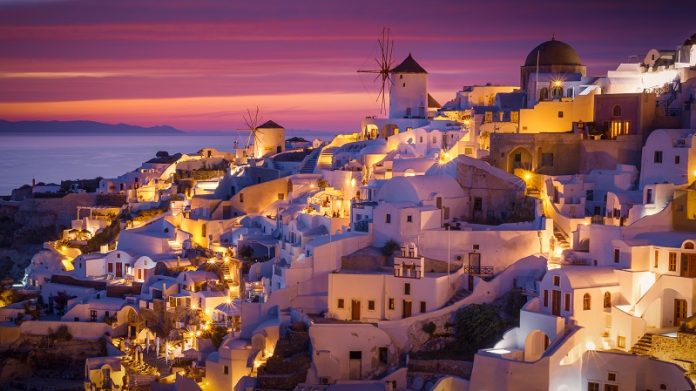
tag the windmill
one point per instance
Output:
(252, 121)
(384, 66)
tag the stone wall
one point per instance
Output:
(680, 350)
(445, 367)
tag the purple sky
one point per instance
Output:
(197, 65)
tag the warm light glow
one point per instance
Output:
(557, 83)
(590, 345)
(352, 182)
(498, 351)
(558, 251)
(527, 176)
(211, 260)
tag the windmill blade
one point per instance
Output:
(384, 65)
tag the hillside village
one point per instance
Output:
(539, 236)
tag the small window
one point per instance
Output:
(387, 218)
(592, 386)
(673, 262)
(556, 280)
(355, 355)
(93, 315)
(422, 307)
(677, 159)
(586, 302)
(226, 370)
(616, 111)
(546, 298)
(560, 114)
(407, 289)
(241, 197)
(589, 195)
(547, 159)
(281, 196)
(607, 300)
(409, 219)
(657, 257)
(657, 157)
(371, 305)
(612, 376)
(341, 303)
(401, 77)
(391, 303)
(617, 255)
(567, 302)
(404, 84)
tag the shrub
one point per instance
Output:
(390, 248)
(429, 328)
(61, 334)
(477, 326)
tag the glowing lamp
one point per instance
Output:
(557, 83)
(527, 176)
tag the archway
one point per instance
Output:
(535, 345)
(519, 157)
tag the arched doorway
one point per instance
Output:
(519, 157)
(535, 345)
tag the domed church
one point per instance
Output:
(557, 64)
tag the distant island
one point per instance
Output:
(81, 128)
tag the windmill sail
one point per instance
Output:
(384, 65)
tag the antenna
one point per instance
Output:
(384, 65)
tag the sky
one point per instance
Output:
(197, 65)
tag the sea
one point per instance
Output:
(50, 159)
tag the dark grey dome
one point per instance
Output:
(553, 53)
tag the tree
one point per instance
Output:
(477, 326)
(390, 248)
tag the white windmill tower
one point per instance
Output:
(268, 138)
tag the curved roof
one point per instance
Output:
(269, 125)
(419, 188)
(553, 53)
(409, 65)
(581, 277)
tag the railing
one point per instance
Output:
(478, 270)
(362, 225)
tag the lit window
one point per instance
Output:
(586, 302)
(391, 303)
(607, 300)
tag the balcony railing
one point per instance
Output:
(479, 270)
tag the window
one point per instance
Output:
(93, 316)
(514, 116)
(409, 219)
(355, 355)
(649, 196)
(391, 303)
(110, 267)
(673, 262)
(387, 218)
(657, 253)
(617, 255)
(281, 196)
(371, 305)
(607, 300)
(404, 84)
(546, 298)
(341, 303)
(544, 94)
(226, 370)
(556, 280)
(611, 376)
(592, 386)
(547, 159)
(567, 302)
(611, 387)
(407, 289)
(677, 159)
(589, 195)
(560, 114)
(422, 307)
(657, 157)
(488, 117)
(616, 111)
(586, 302)
(478, 204)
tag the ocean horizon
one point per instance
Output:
(53, 158)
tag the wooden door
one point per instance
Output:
(406, 308)
(556, 303)
(679, 311)
(688, 265)
(355, 365)
(119, 269)
(355, 310)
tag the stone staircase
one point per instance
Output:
(643, 346)
(310, 163)
(226, 273)
(460, 294)
(561, 237)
